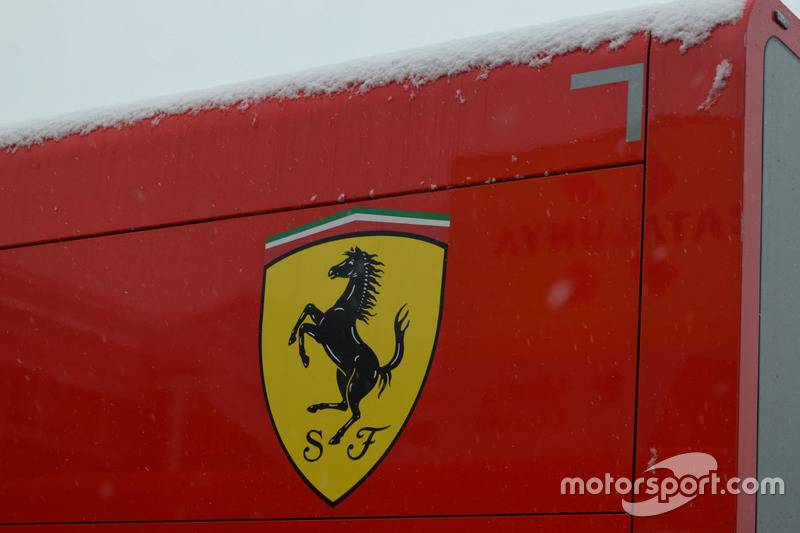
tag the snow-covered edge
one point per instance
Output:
(687, 21)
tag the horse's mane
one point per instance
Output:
(371, 275)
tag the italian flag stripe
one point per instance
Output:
(359, 214)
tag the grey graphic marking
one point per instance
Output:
(634, 75)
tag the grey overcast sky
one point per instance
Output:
(61, 56)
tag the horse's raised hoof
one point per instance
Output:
(312, 408)
(292, 338)
(305, 360)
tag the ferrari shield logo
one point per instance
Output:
(348, 332)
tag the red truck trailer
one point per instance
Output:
(547, 283)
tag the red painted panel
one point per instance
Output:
(130, 386)
(275, 155)
(511, 524)
(689, 352)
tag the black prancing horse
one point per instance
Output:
(335, 329)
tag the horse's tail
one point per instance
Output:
(385, 372)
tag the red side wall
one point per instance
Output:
(278, 155)
(689, 348)
(130, 387)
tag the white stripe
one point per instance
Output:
(359, 217)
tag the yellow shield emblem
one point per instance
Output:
(348, 331)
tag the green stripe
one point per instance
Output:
(355, 211)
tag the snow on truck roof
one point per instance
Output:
(687, 21)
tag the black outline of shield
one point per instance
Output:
(429, 240)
